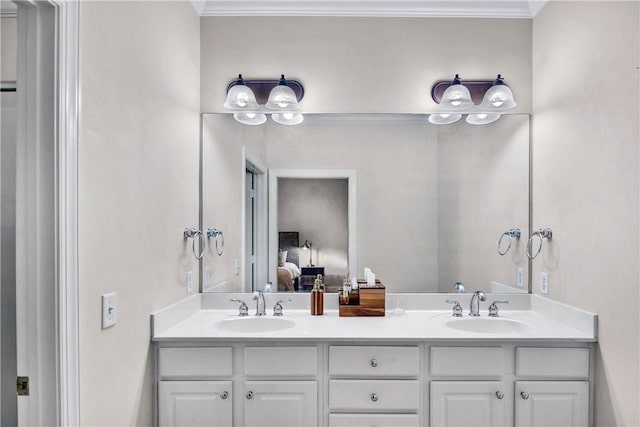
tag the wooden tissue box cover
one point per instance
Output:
(372, 302)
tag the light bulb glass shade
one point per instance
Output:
(289, 119)
(456, 97)
(250, 118)
(444, 118)
(282, 98)
(241, 97)
(482, 118)
(497, 98)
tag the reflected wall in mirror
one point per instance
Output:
(430, 202)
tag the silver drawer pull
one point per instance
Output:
(373, 363)
(499, 395)
(249, 395)
(524, 395)
(374, 397)
(224, 395)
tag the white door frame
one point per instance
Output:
(275, 174)
(64, 106)
(254, 164)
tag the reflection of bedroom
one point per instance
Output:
(317, 209)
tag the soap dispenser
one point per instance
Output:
(317, 297)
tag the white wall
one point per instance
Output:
(318, 210)
(138, 190)
(585, 181)
(364, 64)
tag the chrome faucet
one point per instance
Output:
(459, 287)
(258, 296)
(474, 307)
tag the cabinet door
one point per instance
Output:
(552, 403)
(195, 403)
(468, 403)
(280, 403)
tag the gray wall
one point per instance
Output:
(586, 185)
(138, 190)
(318, 210)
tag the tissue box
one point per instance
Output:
(370, 301)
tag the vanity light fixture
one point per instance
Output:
(453, 101)
(251, 100)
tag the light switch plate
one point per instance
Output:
(189, 281)
(109, 310)
(544, 283)
(520, 277)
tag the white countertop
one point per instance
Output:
(541, 320)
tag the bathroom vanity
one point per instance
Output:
(531, 366)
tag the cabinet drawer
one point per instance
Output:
(281, 361)
(188, 362)
(374, 395)
(367, 420)
(371, 361)
(538, 362)
(466, 362)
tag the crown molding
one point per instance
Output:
(523, 9)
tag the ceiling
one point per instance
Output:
(526, 9)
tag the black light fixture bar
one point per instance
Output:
(262, 88)
(477, 89)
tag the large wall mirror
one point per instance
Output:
(423, 206)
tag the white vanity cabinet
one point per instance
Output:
(237, 385)
(480, 386)
(374, 385)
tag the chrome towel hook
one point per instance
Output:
(514, 232)
(543, 233)
(194, 233)
(219, 236)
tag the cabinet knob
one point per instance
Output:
(499, 395)
(524, 395)
(224, 395)
(249, 395)
(374, 397)
(373, 363)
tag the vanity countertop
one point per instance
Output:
(532, 319)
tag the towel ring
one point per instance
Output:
(514, 232)
(543, 233)
(193, 233)
(219, 236)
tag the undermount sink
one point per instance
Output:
(487, 325)
(255, 324)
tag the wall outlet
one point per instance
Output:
(205, 277)
(109, 310)
(520, 277)
(237, 266)
(544, 283)
(189, 281)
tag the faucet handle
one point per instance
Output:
(493, 308)
(277, 309)
(243, 309)
(457, 308)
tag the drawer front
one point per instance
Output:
(371, 361)
(193, 362)
(268, 362)
(368, 420)
(562, 363)
(374, 395)
(466, 362)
